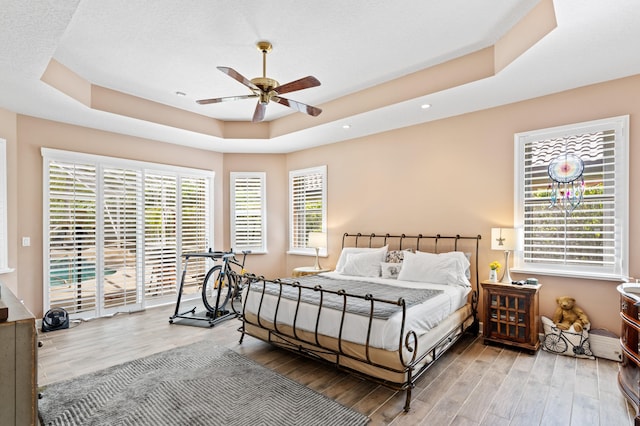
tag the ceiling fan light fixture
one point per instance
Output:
(267, 89)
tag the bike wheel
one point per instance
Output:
(216, 292)
(553, 343)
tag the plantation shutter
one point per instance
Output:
(590, 238)
(308, 199)
(161, 256)
(194, 227)
(248, 212)
(72, 236)
(123, 236)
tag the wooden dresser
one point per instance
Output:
(18, 378)
(629, 375)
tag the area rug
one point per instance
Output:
(199, 384)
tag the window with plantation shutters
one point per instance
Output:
(248, 211)
(71, 235)
(116, 230)
(4, 255)
(160, 232)
(589, 240)
(307, 211)
(194, 229)
(121, 238)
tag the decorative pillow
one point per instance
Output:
(366, 264)
(390, 269)
(432, 268)
(382, 251)
(566, 342)
(396, 256)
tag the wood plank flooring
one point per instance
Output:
(472, 384)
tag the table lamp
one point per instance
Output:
(504, 239)
(317, 240)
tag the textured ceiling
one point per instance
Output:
(153, 48)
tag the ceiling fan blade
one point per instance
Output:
(239, 77)
(258, 114)
(298, 106)
(226, 99)
(303, 83)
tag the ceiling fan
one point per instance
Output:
(267, 89)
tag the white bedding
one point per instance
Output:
(385, 334)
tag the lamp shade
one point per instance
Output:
(503, 239)
(317, 240)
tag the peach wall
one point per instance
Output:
(271, 264)
(8, 132)
(456, 176)
(35, 133)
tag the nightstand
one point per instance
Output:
(307, 270)
(511, 315)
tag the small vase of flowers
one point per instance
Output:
(493, 271)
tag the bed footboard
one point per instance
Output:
(396, 368)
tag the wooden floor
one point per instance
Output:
(472, 384)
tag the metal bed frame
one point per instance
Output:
(413, 366)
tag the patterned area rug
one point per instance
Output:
(199, 384)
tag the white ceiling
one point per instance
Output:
(154, 48)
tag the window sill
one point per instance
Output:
(571, 274)
(6, 271)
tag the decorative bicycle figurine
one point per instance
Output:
(557, 342)
(221, 284)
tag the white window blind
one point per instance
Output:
(122, 237)
(194, 227)
(589, 241)
(4, 254)
(248, 211)
(117, 230)
(308, 195)
(71, 233)
(161, 250)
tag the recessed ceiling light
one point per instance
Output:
(425, 106)
(179, 93)
(346, 126)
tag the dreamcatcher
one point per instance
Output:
(567, 187)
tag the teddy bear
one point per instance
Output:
(568, 314)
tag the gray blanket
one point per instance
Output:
(355, 305)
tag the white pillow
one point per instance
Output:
(351, 250)
(464, 261)
(365, 264)
(433, 268)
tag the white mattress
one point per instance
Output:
(385, 334)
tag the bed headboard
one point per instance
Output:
(429, 243)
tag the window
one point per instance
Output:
(115, 231)
(248, 212)
(4, 247)
(307, 208)
(592, 240)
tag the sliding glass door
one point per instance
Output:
(115, 231)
